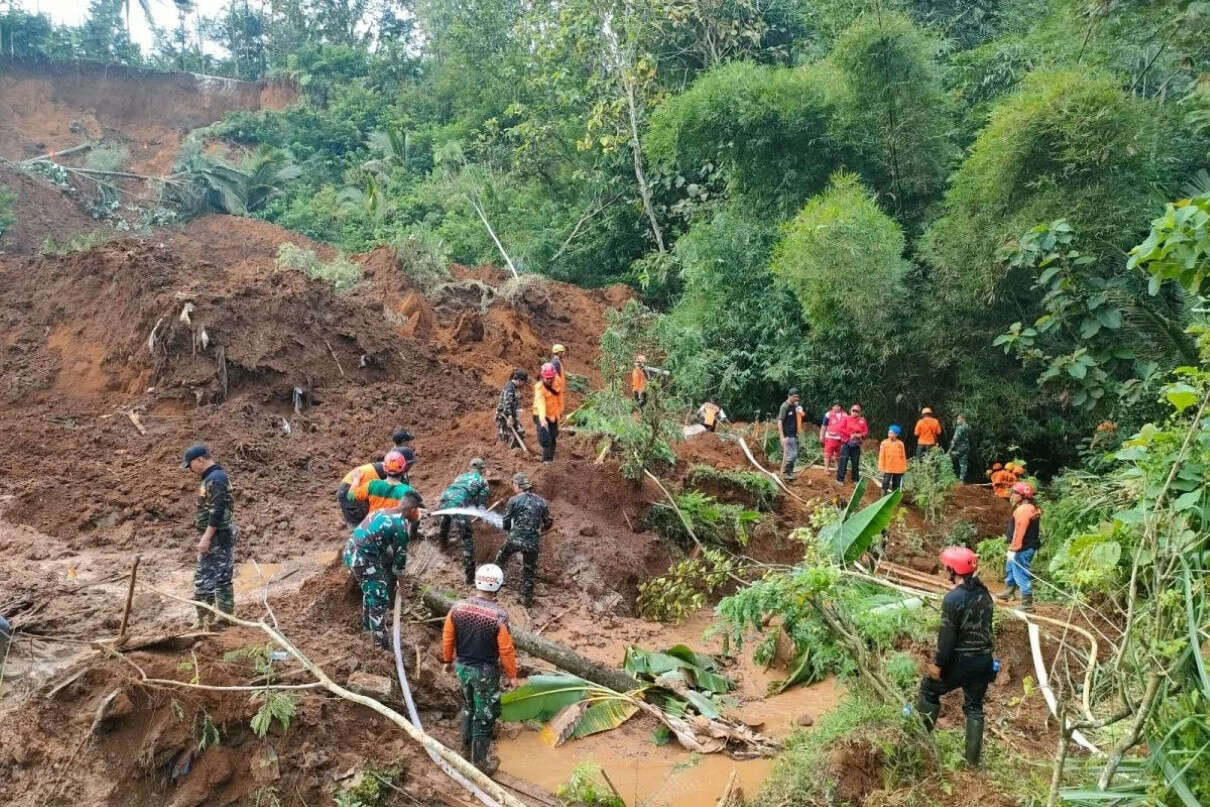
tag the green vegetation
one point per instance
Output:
(711, 521)
(106, 157)
(341, 272)
(588, 787)
(685, 588)
(372, 787)
(751, 487)
(79, 241)
(7, 216)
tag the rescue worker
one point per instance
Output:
(477, 636)
(556, 358)
(710, 414)
(789, 422)
(353, 511)
(829, 436)
(638, 380)
(960, 447)
(467, 490)
(526, 517)
(1023, 536)
(928, 432)
(1003, 479)
(402, 438)
(385, 492)
(1019, 469)
(215, 520)
(964, 649)
(853, 429)
(548, 408)
(508, 410)
(376, 554)
(892, 460)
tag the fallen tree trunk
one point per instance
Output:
(562, 657)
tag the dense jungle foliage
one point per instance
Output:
(845, 195)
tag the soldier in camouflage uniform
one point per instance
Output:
(526, 518)
(468, 490)
(476, 634)
(215, 521)
(376, 554)
(508, 407)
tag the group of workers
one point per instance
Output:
(841, 435)
(383, 512)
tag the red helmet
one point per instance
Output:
(959, 559)
(549, 371)
(394, 463)
(1024, 489)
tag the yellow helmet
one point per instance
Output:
(1010, 466)
(558, 349)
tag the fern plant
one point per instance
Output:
(278, 706)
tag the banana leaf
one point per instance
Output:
(544, 696)
(803, 673)
(847, 539)
(652, 664)
(692, 658)
(589, 717)
(705, 707)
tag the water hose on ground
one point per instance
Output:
(445, 767)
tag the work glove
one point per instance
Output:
(1011, 556)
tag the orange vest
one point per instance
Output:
(892, 457)
(548, 404)
(638, 380)
(1002, 483)
(928, 429)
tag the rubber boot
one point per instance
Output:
(1009, 594)
(204, 619)
(974, 740)
(1027, 602)
(466, 735)
(928, 713)
(480, 756)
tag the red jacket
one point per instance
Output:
(853, 429)
(831, 426)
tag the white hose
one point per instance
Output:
(1035, 646)
(446, 768)
(495, 519)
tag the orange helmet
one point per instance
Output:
(959, 559)
(394, 463)
(997, 466)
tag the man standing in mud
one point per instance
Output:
(215, 521)
(467, 490)
(508, 410)
(964, 649)
(476, 634)
(526, 518)
(376, 554)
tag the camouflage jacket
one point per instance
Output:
(214, 501)
(383, 535)
(527, 517)
(509, 403)
(468, 490)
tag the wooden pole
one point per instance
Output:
(134, 570)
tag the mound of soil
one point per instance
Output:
(40, 210)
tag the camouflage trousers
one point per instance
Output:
(212, 578)
(373, 576)
(504, 428)
(961, 464)
(466, 531)
(480, 701)
(529, 564)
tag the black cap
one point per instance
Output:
(793, 391)
(195, 451)
(408, 454)
(402, 436)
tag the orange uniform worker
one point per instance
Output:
(892, 460)
(385, 492)
(556, 359)
(638, 379)
(548, 408)
(1003, 480)
(476, 634)
(1024, 538)
(928, 431)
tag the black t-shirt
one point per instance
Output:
(788, 415)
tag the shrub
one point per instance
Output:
(713, 522)
(79, 241)
(685, 588)
(588, 788)
(108, 157)
(991, 557)
(423, 258)
(342, 273)
(7, 216)
(930, 480)
(753, 487)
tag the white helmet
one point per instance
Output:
(489, 577)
